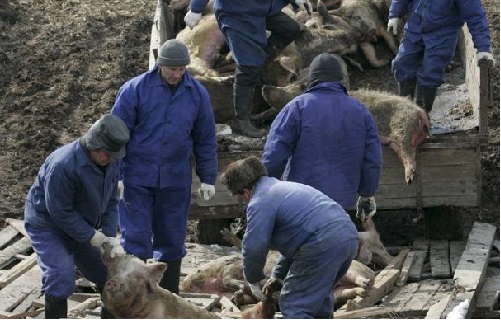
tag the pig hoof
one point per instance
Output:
(361, 292)
(365, 283)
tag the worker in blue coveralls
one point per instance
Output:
(315, 237)
(170, 118)
(429, 42)
(72, 208)
(244, 24)
(328, 140)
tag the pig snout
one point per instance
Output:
(112, 285)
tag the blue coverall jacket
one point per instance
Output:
(244, 21)
(316, 239)
(331, 141)
(431, 34)
(166, 130)
(70, 198)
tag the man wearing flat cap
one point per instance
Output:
(170, 118)
(71, 209)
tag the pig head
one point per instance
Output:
(402, 124)
(132, 290)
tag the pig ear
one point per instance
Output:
(156, 270)
(288, 64)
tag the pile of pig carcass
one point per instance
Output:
(338, 27)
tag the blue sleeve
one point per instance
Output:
(373, 159)
(109, 219)
(198, 6)
(281, 140)
(60, 187)
(398, 8)
(282, 267)
(204, 140)
(256, 242)
(475, 16)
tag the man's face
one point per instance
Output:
(172, 75)
(101, 157)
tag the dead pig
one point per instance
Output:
(132, 290)
(401, 123)
(357, 281)
(371, 247)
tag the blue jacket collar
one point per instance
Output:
(329, 86)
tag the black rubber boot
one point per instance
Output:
(55, 308)
(407, 88)
(170, 279)
(242, 101)
(106, 314)
(425, 96)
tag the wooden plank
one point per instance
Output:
(227, 305)
(439, 259)
(7, 234)
(14, 293)
(17, 224)
(495, 244)
(470, 271)
(456, 249)
(421, 298)
(18, 270)
(417, 266)
(421, 244)
(436, 310)
(366, 313)
(488, 295)
(8, 254)
(25, 305)
(404, 273)
(383, 284)
(79, 311)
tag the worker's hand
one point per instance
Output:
(121, 189)
(393, 25)
(273, 285)
(257, 291)
(192, 19)
(206, 191)
(486, 56)
(99, 238)
(366, 208)
(305, 5)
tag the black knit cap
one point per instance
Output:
(325, 68)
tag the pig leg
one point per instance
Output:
(408, 161)
(357, 279)
(268, 114)
(370, 54)
(344, 294)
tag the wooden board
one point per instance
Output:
(18, 290)
(17, 270)
(9, 253)
(7, 235)
(439, 259)
(417, 267)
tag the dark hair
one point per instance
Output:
(243, 174)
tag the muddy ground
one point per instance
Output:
(62, 63)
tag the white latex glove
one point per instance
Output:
(99, 238)
(121, 189)
(366, 207)
(486, 56)
(192, 19)
(206, 191)
(393, 25)
(257, 291)
(304, 5)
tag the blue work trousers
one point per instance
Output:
(154, 221)
(57, 256)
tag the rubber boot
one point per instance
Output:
(55, 308)
(242, 101)
(407, 88)
(425, 96)
(106, 314)
(170, 279)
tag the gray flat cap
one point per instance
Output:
(109, 133)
